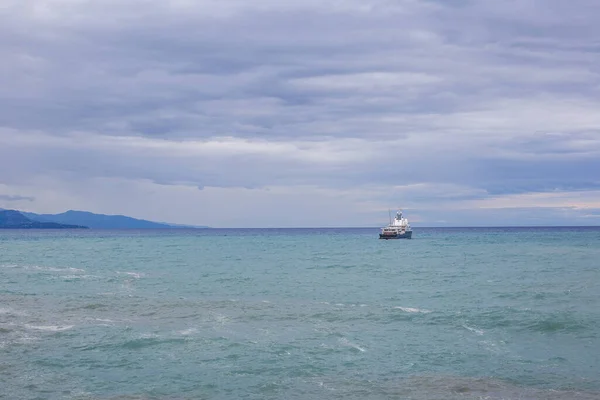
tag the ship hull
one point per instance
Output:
(405, 235)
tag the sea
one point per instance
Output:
(462, 313)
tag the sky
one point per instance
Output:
(303, 113)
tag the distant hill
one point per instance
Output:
(11, 219)
(101, 221)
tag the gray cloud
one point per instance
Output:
(494, 99)
(7, 197)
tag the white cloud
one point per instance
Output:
(589, 199)
(458, 104)
(379, 82)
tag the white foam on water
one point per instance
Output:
(149, 336)
(42, 268)
(109, 294)
(50, 328)
(80, 277)
(52, 269)
(492, 347)
(413, 310)
(75, 269)
(220, 318)
(26, 339)
(474, 330)
(104, 322)
(346, 342)
(187, 332)
(136, 275)
(10, 311)
(325, 386)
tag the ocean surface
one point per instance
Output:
(487, 313)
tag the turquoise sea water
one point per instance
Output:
(300, 314)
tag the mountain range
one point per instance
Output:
(79, 219)
(11, 219)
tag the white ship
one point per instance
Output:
(399, 228)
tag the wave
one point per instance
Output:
(426, 387)
(188, 331)
(475, 330)
(345, 342)
(413, 310)
(11, 312)
(79, 277)
(43, 268)
(136, 275)
(94, 306)
(149, 340)
(556, 324)
(104, 322)
(50, 328)
(136, 343)
(308, 383)
(52, 269)
(517, 319)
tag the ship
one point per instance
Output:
(399, 228)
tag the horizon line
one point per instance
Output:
(189, 228)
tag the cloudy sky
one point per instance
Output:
(236, 113)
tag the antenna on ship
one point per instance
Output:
(390, 214)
